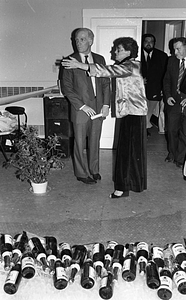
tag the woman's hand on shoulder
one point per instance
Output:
(73, 63)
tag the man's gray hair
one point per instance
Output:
(89, 32)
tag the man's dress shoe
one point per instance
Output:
(169, 159)
(179, 165)
(96, 176)
(87, 180)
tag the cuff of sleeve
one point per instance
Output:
(82, 107)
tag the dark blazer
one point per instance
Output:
(74, 86)
(155, 74)
(171, 79)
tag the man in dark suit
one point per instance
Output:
(175, 92)
(153, 67)
(88, 97)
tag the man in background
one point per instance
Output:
(88, 97)
(175, 93)
(153, 67)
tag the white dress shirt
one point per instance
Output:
(90, 60)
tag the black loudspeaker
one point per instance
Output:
(57, 120)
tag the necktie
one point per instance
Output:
(148, 61)
(181, 71)
(89, 81)
(86, 60)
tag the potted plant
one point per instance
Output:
(34, 157)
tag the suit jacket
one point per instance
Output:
(155, 74)
(75, 87)
(171, 79)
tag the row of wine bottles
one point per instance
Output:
(159, 266)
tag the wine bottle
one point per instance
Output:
(27, 264)
(117, 260)
(51, 252)
(158, 258)
(78, 256)
(129, 264)
(88, 272)
(98, 252)
(6, 250)
(179, 278)
(13, 279)
(106, 284)
(179, 253)
(152, 274)
(38, 252)
(60, 277)
(19, 246)
(65, 254)
(165, 290)
(142, 254)
(109, 251)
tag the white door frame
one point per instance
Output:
(145, 14)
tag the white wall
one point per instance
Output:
(34, 33)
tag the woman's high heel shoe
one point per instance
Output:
(124, 194)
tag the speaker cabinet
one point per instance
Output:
(57, 120)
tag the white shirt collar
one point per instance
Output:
(184, 61)
(146, 54)
(90, 59)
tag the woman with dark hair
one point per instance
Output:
(130, 104)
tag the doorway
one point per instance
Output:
(108, 24)
(164, 31)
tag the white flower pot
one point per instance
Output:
(39, 188)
